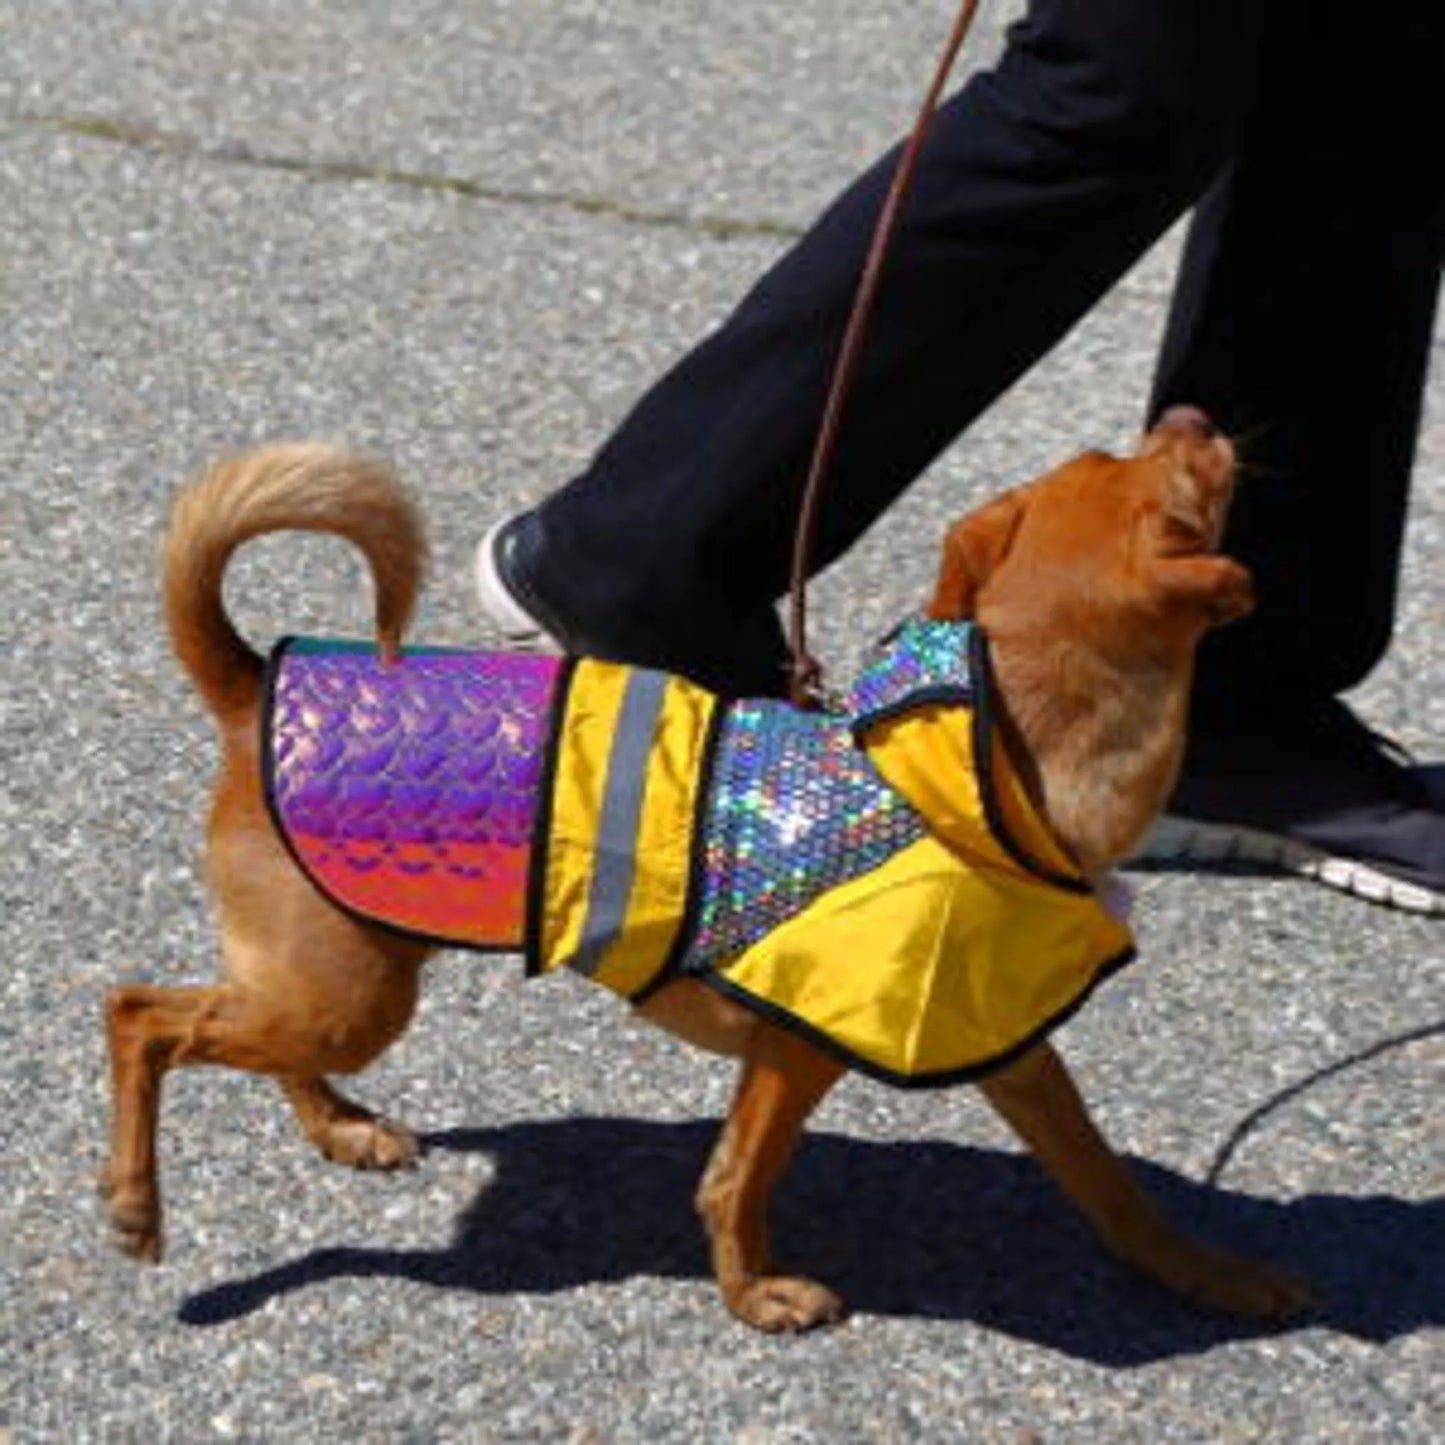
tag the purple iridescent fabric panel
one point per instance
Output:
(409, 791)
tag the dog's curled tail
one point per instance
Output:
(306, 487)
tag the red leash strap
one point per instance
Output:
(805, 675)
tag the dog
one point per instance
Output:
(1082, 596)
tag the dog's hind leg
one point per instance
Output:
(335, 1017)
(349, 993)
(150, 1029)
(1037, 1097)
(345, 1132)
(783, 1079)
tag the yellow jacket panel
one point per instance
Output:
(877, 880)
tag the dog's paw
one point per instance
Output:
(1223, 1283)
(785, 1304)
(370, 1144)
(1252, 1289)
(135, 1220)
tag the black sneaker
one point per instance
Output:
(737, 653)
(1319, 795)
(508, 599)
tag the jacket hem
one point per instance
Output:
(933, 1079)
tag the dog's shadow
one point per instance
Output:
(927, 1230)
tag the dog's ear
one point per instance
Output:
(1217, 589)
(972, 551)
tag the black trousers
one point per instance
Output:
(1307, 134)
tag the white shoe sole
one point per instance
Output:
(519, 628)
(1177, 840)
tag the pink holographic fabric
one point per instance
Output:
(409, 792)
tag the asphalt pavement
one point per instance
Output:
(465, 237)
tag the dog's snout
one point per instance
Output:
(1188, 419)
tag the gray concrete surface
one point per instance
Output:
(465, 237)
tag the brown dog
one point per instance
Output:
(1093, 585)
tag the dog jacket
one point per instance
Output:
(875, 878)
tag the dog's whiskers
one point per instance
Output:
(1246, 468)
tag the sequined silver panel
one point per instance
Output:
(795, 808)
(924, 661)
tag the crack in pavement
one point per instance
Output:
(158, 142)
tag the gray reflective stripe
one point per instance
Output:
(621, 813)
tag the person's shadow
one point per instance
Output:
(927, 1230)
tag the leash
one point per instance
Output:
(805, 673)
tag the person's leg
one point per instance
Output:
(1042, 182)
(1302, 322)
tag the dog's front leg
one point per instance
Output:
(783, 1079)
(1037, 1097)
